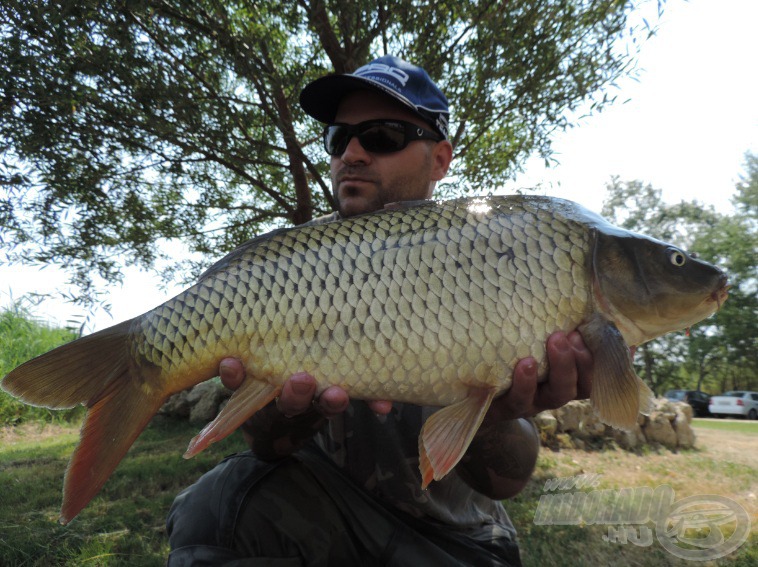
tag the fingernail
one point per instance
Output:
(531, 367)
(562, 344)
(576, 341)
(301, 385)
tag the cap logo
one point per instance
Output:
(382, 69)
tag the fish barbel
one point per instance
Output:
(430, 303)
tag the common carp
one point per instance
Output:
(430, 303)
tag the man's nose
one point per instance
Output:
(355, 152)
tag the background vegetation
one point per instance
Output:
(720, 353)
(129, 123)
(21, 339)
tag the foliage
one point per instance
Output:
(720, 353)
(130, 123)
(21, 339)
(732, 242)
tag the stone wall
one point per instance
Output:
(200, 404)
(575, 425)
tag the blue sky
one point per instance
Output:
(688, 120)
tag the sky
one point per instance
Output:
(683, 125)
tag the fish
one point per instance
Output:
(430, 303)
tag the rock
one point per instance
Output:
(546, 422)
(686, 409)
(658, 429)
(205, 399)
(590, 427)
(685, 436)
(628, 440)
(665, 407)
(564, 441)
(177, 405)
(572, 415)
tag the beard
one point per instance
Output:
(374, 193)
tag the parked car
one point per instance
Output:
(737, 403)
(697, 399)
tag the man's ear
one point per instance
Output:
(442, 155)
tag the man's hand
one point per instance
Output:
(298, 394)
(503, 453)
(569, 378)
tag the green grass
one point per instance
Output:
(21, 339)
(691, 472)
(742, 426)
(123, 525)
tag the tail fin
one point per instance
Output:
(94, 371)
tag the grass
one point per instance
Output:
(741, 425)
(21, 339)
(689, 473)
(124, 525)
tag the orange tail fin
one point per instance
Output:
(94, 371)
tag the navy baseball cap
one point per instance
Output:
(408, 84)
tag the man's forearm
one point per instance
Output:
(501, 458)
(271, 435)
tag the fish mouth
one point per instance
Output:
(719, 296)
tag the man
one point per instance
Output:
(334, 481)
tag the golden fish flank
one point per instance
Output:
(430, 304)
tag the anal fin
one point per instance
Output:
(248, 399)
(448, 432)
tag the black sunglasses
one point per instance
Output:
(376, 136)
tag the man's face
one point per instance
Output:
(363, 182)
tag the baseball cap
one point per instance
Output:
(408, 84)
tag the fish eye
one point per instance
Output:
(677, 257)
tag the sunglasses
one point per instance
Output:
(376, 136)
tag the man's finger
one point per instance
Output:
(584, 364)
(333, 401)
(380, 407)
(561, 385)
(297, 394)
(232, 373)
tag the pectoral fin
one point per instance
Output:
(448, 432)
(618, 394)
(248, 399)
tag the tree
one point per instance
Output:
(128, 123)
(732, 243)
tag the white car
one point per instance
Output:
(737, 403)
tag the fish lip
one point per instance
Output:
(720, 295)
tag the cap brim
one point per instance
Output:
(322, 97)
